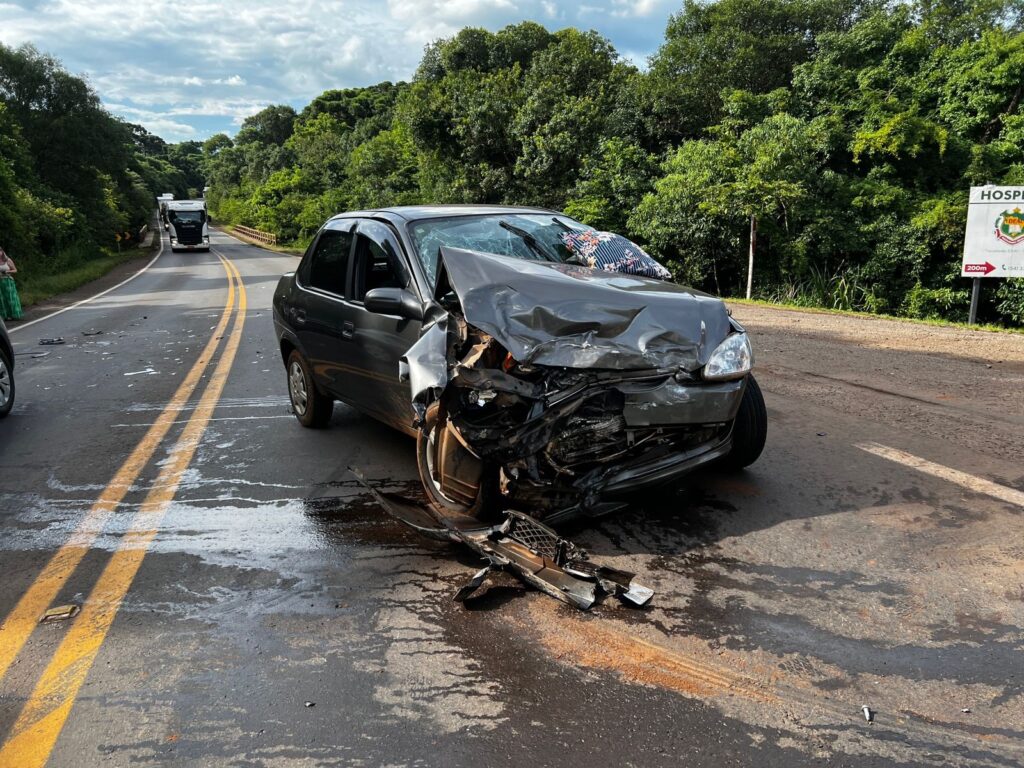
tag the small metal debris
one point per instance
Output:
(51, 342)
(822, 434)
(310, 703)
(966, 710)
(868, 714)
(60, 613)
(472, 585)
(37, 355)
(91, 332)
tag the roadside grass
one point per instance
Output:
(935, 322)
(290, 250)
(34, 288)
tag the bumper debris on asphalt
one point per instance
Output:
(523, 547)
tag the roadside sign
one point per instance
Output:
(994, 242)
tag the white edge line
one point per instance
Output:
(98, 295)
(955, 476)
(222, 418)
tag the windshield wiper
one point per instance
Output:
(575, 258)
(531, 242)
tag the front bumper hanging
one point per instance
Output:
(524, 547)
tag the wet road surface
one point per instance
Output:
(246, 604)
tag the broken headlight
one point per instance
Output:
(732, 359)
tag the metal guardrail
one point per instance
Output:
(254, 234)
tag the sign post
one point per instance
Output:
(994, 241)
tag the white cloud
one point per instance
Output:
(643, 8)
(216, 62)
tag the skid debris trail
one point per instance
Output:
(522, 546)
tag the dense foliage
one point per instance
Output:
(848, 130)
(71, 175)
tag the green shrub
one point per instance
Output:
(1011, 299)
(936, 303)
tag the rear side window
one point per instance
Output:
(328, 264)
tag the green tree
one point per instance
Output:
(270, 126)
(612, 183)
(732, 182)
(384, 171)
(719, 46)
(569, 90)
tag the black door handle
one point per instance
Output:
(299, 316)
(348, 329)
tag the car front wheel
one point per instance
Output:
(455, 481)
(311, 408)
(6, 385)
(750, 429)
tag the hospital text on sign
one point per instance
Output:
(994, 242)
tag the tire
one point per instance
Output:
(750, 430)
(486, 506)
(6, 385)
(311, 408)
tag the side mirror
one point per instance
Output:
(393, 301)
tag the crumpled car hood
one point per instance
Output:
(575, 317)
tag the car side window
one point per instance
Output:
(328, 264)
(304, 266)
(378, 263)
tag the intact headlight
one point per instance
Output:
(732, 359)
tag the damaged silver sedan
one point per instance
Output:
(542, 366)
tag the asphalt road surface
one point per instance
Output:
(245, 603)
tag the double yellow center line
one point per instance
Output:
(36, 730)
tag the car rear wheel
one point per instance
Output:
(750, 429)
(456, 482)
(310, 407)
(6, 385)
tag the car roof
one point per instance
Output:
(187, 204)
(416, 212)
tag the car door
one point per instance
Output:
(381, 340)
(322, 316)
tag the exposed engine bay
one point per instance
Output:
(554, 436)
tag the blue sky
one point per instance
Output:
(187, 70)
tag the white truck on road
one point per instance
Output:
(188, 225)
(161, 202)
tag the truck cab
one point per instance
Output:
(188, 225)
